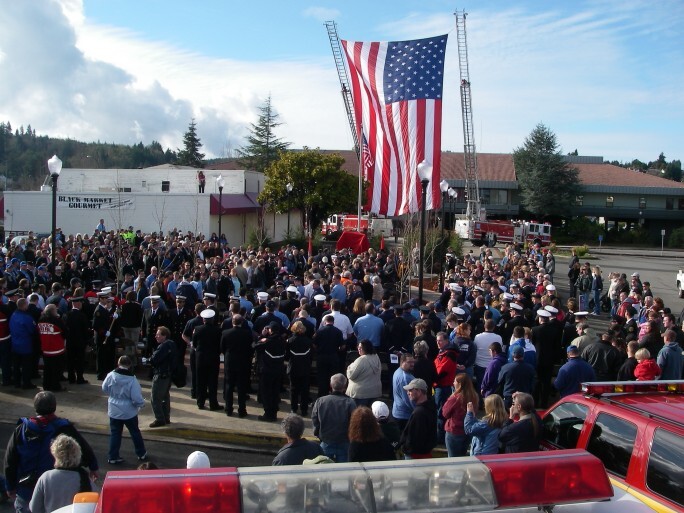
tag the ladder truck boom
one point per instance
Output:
(472, 190)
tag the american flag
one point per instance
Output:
(397, 92)
(367, 157)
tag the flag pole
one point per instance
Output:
(358, 207)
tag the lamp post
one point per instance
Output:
(289, 188)
(424, 172)
(444, 187)
(55, 167)
(220, 182)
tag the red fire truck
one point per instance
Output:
(490, 232)
(338, 223)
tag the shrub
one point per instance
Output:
(676, 239)
(581, 251)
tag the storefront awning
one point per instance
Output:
(234, 204)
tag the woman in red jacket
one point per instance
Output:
(454, 412)
(446, 366)
(53, 347)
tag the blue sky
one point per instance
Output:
(605, 76)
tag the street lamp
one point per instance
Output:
(289, 188)
(444, 187)
(220, 182)
(425, 173)
(55, 167)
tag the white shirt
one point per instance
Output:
(482, 343)
(342, 323)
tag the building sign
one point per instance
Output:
(81, 202)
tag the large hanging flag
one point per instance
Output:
(397, 92)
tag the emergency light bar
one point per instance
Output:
(632, 387)
(440, 485)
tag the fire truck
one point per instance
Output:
(333, 227)
(489, 232)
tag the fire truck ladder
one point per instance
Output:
(344, 81)
(472, 189)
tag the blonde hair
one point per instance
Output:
(495, 411)
(642, 354)
(66, 451)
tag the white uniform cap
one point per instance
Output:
(543, 313)
(154, 298)
(551, 287)
(551, 309)
(508, 296)
(198, 459)
(516, 306)
(263, 296)
(458, 310)
(581, 313)
(291, 288)
(209, 295)
(207, 314)
(319, 297)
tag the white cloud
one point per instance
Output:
(321, 13)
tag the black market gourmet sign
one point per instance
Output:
(94, 202)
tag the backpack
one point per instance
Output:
(34, 450)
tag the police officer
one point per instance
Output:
(152, 319)
(78, 334)
(103, 324)
(206, 340)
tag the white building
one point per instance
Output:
(152, 199)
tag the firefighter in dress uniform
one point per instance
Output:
(104, 318)
(53, 346)
(77, 338)
(206, 340)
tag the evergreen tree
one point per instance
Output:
(548, 185)
(263, 147)
(190, 155)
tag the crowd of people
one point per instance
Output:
(331, 322)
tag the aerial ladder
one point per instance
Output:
(338, 55)
(472, 189)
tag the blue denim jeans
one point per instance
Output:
(597, 302)
(116, 430)
(456, 445)
(441, 396)
(336, 451)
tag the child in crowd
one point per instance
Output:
(647, 369)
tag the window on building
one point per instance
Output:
(681, 204)
(669, 203)
(166, 186)
(665, 475)
(124, 189)
(612, 441)
(609, 202)
(579, 200)
(498, 197)
(563, 424)
(642, 202)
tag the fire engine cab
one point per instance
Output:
(572, 480)
(636, 428)
(489, 232)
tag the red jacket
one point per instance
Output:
(52, 341)
(647, 370)
(445, 364)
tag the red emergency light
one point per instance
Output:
(598, 389)
(450, 485)
(536, 479)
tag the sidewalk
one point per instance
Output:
(86, 406)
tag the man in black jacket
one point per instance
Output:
(206, 340)
(420, 434)
(162, 360)
(328, 341)
(271, 350)
(236, 346)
